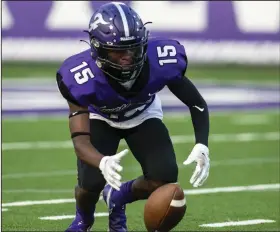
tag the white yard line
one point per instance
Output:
(131, 169)
(238, 223)
(102, 214)
(262, 187)
(187, 192)
(38, 191)
(177, 139)
(43, 202)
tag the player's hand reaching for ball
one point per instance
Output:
(109, 166)
(200, 155)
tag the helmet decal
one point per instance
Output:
(98, 19)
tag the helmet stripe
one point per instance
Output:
(124, 20)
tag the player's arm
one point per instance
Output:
(80, 134)
(186, 91)
(79, 126)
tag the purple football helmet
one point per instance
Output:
(118, 40)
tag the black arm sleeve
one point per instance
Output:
(64, 90)
(185, 90)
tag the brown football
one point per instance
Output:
(165, 208)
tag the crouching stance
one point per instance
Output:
(111, 90)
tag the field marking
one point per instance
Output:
(262, 187)
(132, 169)
(44, 202)
(102, 214)
(38, 191)
(176, 139)
(238, 223)
(4, 209)
(187, 192)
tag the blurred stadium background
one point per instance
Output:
(233, 49)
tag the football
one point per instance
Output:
(165, 208)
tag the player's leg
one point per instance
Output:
(90, 180)
(151, 145)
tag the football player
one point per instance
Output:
(111, 90)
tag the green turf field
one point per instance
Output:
(38, 163)
(244, 152)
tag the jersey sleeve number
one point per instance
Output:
(84, 75)
(166, 51)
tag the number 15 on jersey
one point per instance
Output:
(84, 75)
(165, 52)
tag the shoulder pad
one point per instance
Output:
(77, 73)
(167, 57)
(64, 91)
